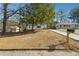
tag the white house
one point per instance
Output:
(65, 25)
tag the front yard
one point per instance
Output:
(42, 39)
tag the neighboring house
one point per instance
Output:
(12, 26)
(43, 26)
(65, 25)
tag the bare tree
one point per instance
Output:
(6, 15)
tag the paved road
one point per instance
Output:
(39, 53)
(73, 36)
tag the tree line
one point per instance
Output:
(33, 14)
(37, 13)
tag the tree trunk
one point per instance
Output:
(4, 26)
(50, 25)
(19, 27)
(4, 17)
(32, 25)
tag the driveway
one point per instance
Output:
(72, 35)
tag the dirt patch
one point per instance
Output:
(42, 39)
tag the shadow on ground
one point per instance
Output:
(63, 46)
(10, 34)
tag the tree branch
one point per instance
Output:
(15, 12)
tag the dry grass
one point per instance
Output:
(41, 39)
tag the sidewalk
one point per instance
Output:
(73, 36)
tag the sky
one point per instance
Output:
(67, 8)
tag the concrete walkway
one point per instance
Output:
(73, 36)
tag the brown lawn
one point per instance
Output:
(42, 39)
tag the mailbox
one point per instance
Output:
(68, 32)
(71, 30)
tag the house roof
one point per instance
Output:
(9, 23)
